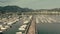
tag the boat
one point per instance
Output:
(1, 32)
(18, 32)
(23, 26)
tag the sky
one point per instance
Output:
(32, 4)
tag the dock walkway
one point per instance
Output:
(32, 27)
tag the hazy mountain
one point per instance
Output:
(19, 9)
(10, 8)
(13, 9)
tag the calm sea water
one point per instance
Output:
(48, 28)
